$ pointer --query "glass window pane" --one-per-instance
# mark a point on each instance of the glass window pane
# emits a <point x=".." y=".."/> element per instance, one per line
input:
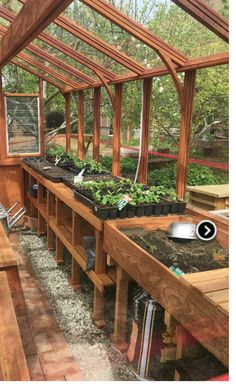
<point x="22" y="120"/>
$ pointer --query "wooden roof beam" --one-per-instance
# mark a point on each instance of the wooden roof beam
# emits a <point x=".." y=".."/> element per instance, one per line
<point x="32" y="61"/>
<point x="135" y="29"/>
<point x="206" y="16"/>
<point x="199" y="63"/>
<point x="35" y="63"/>
<point x="55" y="61"/>
<point x="30" y="21"/>
<point x="37" y="74"/>
<point x="63" y="48"/>
<point x="97" y="43"/>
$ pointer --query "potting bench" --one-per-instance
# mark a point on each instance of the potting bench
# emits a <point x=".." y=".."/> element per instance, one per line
<point x="60" y="214"/>
<point x="198" y="310"/>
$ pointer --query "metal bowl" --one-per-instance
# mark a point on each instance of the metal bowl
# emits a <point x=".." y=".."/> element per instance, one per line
<point x="182" y="230"/>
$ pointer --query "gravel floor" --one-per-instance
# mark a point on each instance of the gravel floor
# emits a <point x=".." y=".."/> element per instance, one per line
<point x="96" y="356"/>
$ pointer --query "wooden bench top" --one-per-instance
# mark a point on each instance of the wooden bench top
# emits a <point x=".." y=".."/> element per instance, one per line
<point x="221" y="190"/>
<point x="13" y="366"/>
<point x="213" y="285"/>
<point x="7" y="255"/>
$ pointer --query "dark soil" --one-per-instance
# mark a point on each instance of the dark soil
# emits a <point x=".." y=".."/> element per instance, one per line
<point x="192" y="256"/>
<point x="47" y="169"/>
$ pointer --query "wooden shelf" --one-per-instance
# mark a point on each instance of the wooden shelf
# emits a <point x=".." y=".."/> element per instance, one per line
<point x="79" y="254"/>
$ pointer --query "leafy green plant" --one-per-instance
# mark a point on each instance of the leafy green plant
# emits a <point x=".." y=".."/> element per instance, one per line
<point x="106" y="162"/>
<point x="128" y="165"/>
<point x="197" y="175"/>
<point x="55" y="151"/>
<point x="91" y="166"/>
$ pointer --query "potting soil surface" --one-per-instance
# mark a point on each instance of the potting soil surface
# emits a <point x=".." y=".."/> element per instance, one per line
<point x="189" y="257"/>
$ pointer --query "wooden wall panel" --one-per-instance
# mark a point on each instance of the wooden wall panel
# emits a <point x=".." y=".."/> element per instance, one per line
<point x="11" y="185"/>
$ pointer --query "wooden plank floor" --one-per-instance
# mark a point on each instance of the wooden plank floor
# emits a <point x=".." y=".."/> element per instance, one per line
<point x="48" y="355"/>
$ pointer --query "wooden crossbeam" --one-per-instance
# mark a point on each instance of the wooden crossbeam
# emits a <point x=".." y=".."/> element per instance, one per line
<point x="135" y="29"/>
<point x="199" y="63"/>
<point x="63" y="48"/>
<point x="31" y="20"/>
<point x="207" y="16"/>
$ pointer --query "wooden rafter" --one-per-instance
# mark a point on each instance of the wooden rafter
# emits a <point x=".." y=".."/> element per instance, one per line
<point x="35" y="63"/>
<point x="207" y="16"/>
<point x="30" y="21"/>
<point x="60" y="64"/>
<point x="37" y="74"/>
<point x="135" y="29"/>
<point x="55" y="61"/>
<point x="97" y="43"/>
<point x="63" y="48"/>
<point x="199" y="63"/>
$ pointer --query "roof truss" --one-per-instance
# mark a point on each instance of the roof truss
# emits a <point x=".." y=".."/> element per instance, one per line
<point x="37" y="74"/>
<point x="63" y="48"/>
<point x="97" y="43"/>
<point x="207" y="16"/>
<point x="135" y="29"/>
<point x="55" y="61"/>
<point x="31" y="20"/>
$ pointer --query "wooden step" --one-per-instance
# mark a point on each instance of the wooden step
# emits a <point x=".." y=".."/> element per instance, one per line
<point x="13" y="366"/>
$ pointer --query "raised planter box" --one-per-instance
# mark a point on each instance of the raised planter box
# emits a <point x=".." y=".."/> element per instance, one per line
<point x="204" y="319"/>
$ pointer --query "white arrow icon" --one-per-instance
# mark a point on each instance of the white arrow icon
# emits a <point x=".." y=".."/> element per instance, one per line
<point x="207" y="230"/>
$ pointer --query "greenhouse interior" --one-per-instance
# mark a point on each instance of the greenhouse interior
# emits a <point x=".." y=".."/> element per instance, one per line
<point x="114" y="190"/>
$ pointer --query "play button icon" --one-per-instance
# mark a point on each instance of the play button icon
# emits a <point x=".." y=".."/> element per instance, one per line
<point x="206" y="230"/>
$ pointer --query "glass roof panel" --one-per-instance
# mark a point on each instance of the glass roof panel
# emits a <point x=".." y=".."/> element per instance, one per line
<point x="112" y="34"/>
